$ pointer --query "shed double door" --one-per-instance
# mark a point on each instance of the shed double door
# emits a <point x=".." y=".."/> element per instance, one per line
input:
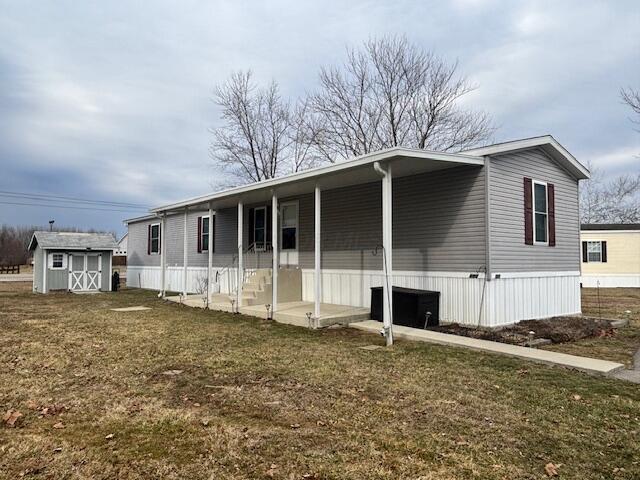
<point x="85" y="273"/>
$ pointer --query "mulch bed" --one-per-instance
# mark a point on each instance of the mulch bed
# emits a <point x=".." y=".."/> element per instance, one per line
<point x="556" y="329"/>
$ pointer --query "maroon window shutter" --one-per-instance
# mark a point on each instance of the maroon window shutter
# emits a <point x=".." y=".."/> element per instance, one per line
<point x="159" y="238"/>
<point x="213" y="233"/>
<point x="199" y="234"/>
<point x="551" y="206"/>
<point x="585" y="256"/>
<point x="604" y="252"/>
<point x="149" y="240"/>
<point x="528" y="212"/>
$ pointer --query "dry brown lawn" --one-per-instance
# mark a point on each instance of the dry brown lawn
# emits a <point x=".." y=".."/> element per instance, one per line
<point x="250" y="399"/>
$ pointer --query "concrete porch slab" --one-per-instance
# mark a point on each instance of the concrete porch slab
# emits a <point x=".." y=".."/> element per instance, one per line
<point x="295" y="313"/>
<point x="292" y="313"/>
<point x="585" y="364"/>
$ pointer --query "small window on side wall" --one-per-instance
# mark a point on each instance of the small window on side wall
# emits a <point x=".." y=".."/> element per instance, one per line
<point x="154" y="239"/>
<point x="57" y="261"/>
<point x="203" y="234"/>
<point x="594" y="252"/>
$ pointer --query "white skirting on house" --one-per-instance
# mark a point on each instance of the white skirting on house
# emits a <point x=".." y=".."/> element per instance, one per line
<point x="629" y="280"/>
<point x="150" y="278"/>
<point x="472" y="301"/>
<point x="513" y="297"/>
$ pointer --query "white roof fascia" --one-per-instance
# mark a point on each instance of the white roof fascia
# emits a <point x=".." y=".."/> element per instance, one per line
<point x="571" y="163"/>
<point x="387" y="154"/>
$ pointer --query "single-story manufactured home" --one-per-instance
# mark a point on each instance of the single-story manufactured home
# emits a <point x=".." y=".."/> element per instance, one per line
<point x="610" y="255"/>
<point x="74" y="262"/>
<point x="494" y="230"/>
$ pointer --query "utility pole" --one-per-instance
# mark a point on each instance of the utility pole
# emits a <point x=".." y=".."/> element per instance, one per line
<point x="51" y="222"/>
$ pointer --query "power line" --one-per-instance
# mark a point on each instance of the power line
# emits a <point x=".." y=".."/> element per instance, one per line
<point x="64" y="199"/>
<point x="2" y="202"/>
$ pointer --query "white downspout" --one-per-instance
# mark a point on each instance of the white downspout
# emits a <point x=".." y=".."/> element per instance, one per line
<point x="317" y="257"/>
<point x="210" y="255"/>
<point x="387" y="257"/>
<point x="274" y="252"/>
<point x="240" y="259"/>
<point x="185" y="253"/>
<point x="163" y="258"/>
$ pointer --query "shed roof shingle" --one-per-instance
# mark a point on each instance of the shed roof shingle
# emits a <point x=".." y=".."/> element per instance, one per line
<point x="73" y="241"/>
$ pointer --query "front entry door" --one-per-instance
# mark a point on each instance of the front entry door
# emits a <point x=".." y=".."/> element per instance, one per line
<point x="84" y="272"/>
<point x="289" y="232"/>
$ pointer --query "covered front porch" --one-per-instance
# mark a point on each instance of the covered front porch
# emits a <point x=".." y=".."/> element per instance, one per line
<point x="273" y="216"/>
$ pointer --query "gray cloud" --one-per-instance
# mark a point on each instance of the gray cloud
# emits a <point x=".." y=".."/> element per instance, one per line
<point x="112" y="100"/>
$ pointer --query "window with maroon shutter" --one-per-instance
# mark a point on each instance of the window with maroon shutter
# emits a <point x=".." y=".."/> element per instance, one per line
<point x="551" y="195"/>
<point x="528" y="212"/>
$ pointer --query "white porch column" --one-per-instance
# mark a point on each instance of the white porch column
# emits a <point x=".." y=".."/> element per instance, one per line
<point x="185" y="254"/>
<point x="210" y="255"/>
<point x="240" y="259"/>
<point x="317" y="271"/>
<point x="163" y="262"/>
<point x="275" y="251"/>
<point x="387" y="237"/>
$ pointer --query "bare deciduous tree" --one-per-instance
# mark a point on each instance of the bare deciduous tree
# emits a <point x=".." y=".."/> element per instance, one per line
<point x="389" y="93"/>
<point x="613" y="201"/>
<point x="632" y="98"/>
<point x="392" y="93"/>
<point x="262" y="135"/>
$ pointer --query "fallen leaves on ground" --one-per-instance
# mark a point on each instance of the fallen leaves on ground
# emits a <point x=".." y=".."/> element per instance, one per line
<point x="11" y="417"/>
<point x="551" y="470"/>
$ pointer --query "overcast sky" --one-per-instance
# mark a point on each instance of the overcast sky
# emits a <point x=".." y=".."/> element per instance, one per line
<point x="112" y="100"/>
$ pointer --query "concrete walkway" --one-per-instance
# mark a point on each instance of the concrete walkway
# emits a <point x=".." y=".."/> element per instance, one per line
<point x="590" y="365"/>
<point x="633" y="374"/>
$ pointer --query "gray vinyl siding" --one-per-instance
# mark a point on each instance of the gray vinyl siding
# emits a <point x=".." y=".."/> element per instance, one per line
<point x="38" y="258"/>
<point x="174" y="225"/>
<point x="508" y="250"/>
<point x="351" y="227"/>
<point x="438" y="225"/>
<point x="439" y="221"/>
<point x="137" y="245"/>
<point x="106" y="264"/>
<point x="57" y="279"/>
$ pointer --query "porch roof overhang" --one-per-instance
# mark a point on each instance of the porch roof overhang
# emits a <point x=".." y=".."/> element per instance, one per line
<point x="405" y="161"/>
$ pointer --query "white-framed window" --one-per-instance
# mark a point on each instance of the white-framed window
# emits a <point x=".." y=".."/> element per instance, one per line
<point x="154" y="239"/>
<point x="260" y="228"/>
<point x="204" y="234"/>
<point x="540" y="213"/>
<point x="594" y="252"/>
<point x="57" y="261"/>
<point x="289" y="226"/>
